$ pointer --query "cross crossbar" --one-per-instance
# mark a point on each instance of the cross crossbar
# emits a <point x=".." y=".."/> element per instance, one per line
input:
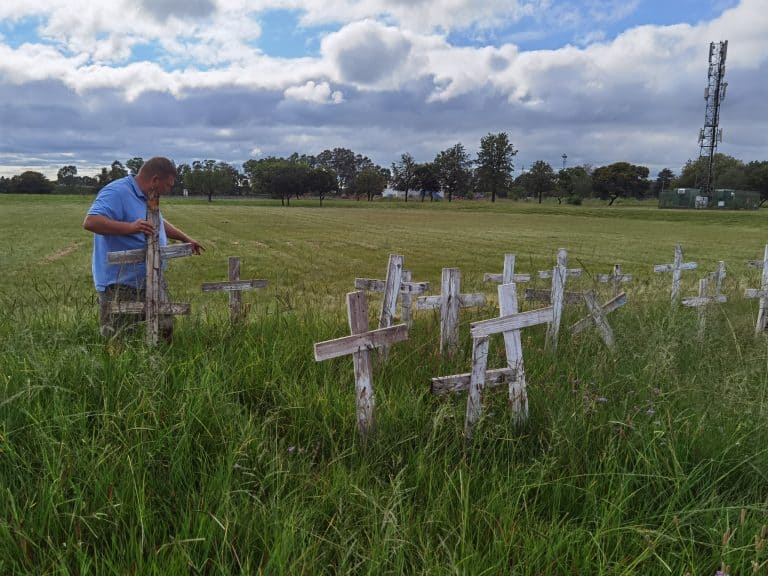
<point x="509" y="273"/>
<point x="139" y="254"/>
<point x="676" y="268"/>
<point x="234" y="286"/>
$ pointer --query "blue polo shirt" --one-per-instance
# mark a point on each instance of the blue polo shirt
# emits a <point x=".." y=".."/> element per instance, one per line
<point x="120" y="200"/>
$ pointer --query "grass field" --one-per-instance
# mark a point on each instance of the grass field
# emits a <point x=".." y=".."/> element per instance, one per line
<point x="232" y="452"/>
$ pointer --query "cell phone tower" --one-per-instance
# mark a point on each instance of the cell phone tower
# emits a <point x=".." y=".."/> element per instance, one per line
<point x="711" y="134"/>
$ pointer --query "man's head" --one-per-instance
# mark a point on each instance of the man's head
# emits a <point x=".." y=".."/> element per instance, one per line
<point x="157" y="175"/>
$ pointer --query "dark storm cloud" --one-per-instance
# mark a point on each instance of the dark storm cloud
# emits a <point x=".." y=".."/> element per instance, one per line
<point x="164" y="9"/>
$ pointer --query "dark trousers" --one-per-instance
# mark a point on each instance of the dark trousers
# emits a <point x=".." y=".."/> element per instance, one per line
<point x="114" y="323"/>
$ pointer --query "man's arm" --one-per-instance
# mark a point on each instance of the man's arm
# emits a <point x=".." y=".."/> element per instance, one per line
<point x="99" y="224"/>
<point x="175" y="234"/>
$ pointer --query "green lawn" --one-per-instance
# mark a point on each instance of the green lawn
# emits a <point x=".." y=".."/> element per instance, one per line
<point x="233" y="452"/>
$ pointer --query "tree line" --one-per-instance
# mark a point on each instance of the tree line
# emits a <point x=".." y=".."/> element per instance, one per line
<point x="452" y="174"/>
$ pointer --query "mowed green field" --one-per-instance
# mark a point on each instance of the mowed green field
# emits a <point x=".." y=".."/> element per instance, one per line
<point x="232" y="451"/>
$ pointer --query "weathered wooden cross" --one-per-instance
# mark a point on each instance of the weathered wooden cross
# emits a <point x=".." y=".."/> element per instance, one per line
<point x="718" y="276"/>
<point x="359" y="345"/>
<point x="615" y="278"/>
<point x="154" y="305"/>
<point x="510" y="325"/>
<point x="235" y="287"/>
<point x="677" y="269"/>
<point x="598" y="316"/>
<point x="508" y="275"/>
<point x="513" y="374"/>
<point x="450" y="302"/>
<point x="702" y="301"/>
<point x="557" y="294"/>
<point x="393" y="286"/>
<point x="762" y="292"/>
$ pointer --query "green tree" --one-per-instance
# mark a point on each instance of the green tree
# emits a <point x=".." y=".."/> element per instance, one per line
<point x="575" y="182"/>
<point x="209" y="177"/>
<point x="454" y="171"/>
<point x="370" y="182"/>
<point x="427" y="180"/>
<point x="66" y="175"/>
<point x="693" y="171"/>
<point x="540" y="179"/>
<point x="664" y="180"/>
<point x="404" y="174"/>
<point x="321" y="182"/>
<point x="620" y="180"/>
<point x="756" y="178"/>
<point x="494" y="164"/>
<point x="135" y="164"/>
<point x="30" y="182"/>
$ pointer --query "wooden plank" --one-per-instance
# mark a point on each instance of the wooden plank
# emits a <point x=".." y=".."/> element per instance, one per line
<point x="499" y="278"/>
<point x="391" y="290"/>
<point x="139" y="254"/>
<point x="672" y="268"/>
<point x="357" y="311"/>
<point x="513" y="348"/>
<point x="449" y="310"/>
<point x="165" y="308"/>
<point x="360" y="341"/>
<point x="154" y="271"/>
<point x="559" y="274"/>
<point x="755" y="293"/>
<point x="599" y="319"/>
<point x="513" y="322"/>
<point x="443" y="385"/>
<point x="373" y="285"/>
<point x="406" y="300"/>
<point x="571" y="273"/>
<point x="755" y="264"/>
<point x="608" y="307"/>
<point x="762" y="313"/>
<point x="476" y="385"/>
<point x="545" y="295"/>
<point x="465" y="301"/>
<point x="231" y="286"/>
<point x="697" y="301"/>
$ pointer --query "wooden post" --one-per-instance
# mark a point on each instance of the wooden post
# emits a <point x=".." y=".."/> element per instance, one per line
<point x="615" y="278"/>
<point x="406" y="300"/>
<point x="391" y="291"/>
<point x="702" y="301"/>
<point x="676" y="268"/>
<point x="234" y="286"/>
<point x="404" y="287"/>
<point x="359" y="345"/>
<point x="558" y="296"/>
<point x="513" y="346"/>
<point x="718" y="276"/>
<point x="508" y="274"/>
<point x="450" y="302"/>
<point x="762" y="293"/>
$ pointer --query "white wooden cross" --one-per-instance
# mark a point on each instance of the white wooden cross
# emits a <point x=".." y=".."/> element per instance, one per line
<point x="234" y="286"/>
<point x="702" y="301"/>
<point x="762" y="292"/>
<point x="676" y="268"/>
<point x="598" y="316"/>
<point x="513" y="374"/>
<point x="406" y="290"/>
<point x="718" y="276"/>
<point x="510" y="325"/>
<point x="615" y="278"/>
<point x="557" y="295"/>
<point x="359" y="345"/>
<point x="450" y="302"/>
<point x="153" y="306"/>
<point x="508" y="275"/>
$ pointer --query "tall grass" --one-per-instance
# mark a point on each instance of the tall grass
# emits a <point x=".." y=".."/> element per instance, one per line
<point x="232" y="452"/>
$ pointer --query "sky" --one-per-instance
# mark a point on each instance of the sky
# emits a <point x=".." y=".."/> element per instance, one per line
<point x="600" y="81"/>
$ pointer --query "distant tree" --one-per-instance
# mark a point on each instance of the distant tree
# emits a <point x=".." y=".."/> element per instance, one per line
<point x="427" y="180"/>
<point x="664" y="180"/>
<point x="30" y="182"/>
<point x="209" y="177"/>
<point x="135" y="164"/>
<point x="5" y="185"/>
<point x="369" y="182"/>
<point x="321" y="182"/>
<point x="692" y="173"/>
<point x="66" y="175"/>
<point x="574" y="182"/>
<point x="404" y="174"/>
<point x="454" y="171"/>
<point x="756" y="178"/>
<point x="620" y="180"/>
<point x="494" y="164"/>
<point x="343" y="162"/>
<point x="540" y="179"/>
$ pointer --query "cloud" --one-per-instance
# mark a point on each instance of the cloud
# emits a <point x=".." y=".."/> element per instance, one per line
<point x="165" y="9"/>
<point x="319" y="93"/>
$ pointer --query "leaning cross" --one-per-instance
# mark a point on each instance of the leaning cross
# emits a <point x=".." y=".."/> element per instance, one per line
<point x="152" y="255"/>
<point x="598" y="316"/>
<point x="406" y="290"/>
<point x="762" y="293"/>
<point x="235" y="287"/>
<point x="702" y="301"/>
<point x="616" y="278"/>
<point x="510" y="325"/>
<point x="508" y="275"/>
<point x="557" y="295"/>
<point x="676" y="268"/>
<point x="450" y="302"/>
<point x="359" y="345"/>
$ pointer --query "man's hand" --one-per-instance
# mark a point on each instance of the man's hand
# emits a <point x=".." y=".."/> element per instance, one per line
<point x="141" y="225"/>
<point x="197" y="248"/>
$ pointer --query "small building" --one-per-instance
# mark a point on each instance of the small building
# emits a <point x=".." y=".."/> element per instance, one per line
<point x="723" y="199"/>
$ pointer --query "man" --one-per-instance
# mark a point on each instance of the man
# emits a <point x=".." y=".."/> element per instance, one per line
<point x="117" y="218"/>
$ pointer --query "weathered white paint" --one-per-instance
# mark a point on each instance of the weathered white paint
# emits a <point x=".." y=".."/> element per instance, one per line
<point x="513" y="347"/>
<point x="762" y="293"/>
<point x="476" y="384"/>
<point x="615" y="278"/>
<point x="508" y="275"/>
<point x="676" y="268"/>
<point x="608" y="307"/>
<point x="234" y="286"/>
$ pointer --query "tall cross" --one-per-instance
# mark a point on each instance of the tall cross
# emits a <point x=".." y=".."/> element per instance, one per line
<point x="703" y="300"/>
<point x="450" y="302"/>
<point x="676" y="268"/>
<point x="508" y="275"/>
<point x="615" y="278"/>
<point x="359" y="345"/>
<point x="235" y="287"/>
<point x="557" y="295"/>
<point x="718" y="277"/>
<point x="153" y="306"/>
<point x="762" y="293"/>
